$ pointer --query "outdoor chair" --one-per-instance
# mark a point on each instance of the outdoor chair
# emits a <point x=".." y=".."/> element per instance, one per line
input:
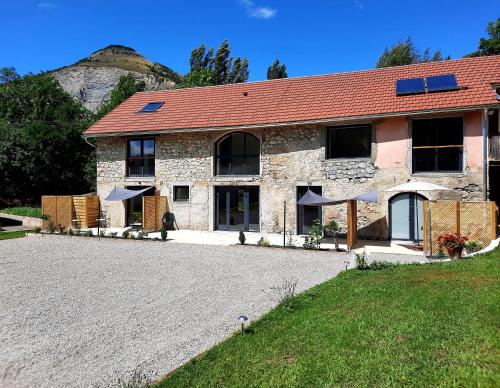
<point x="168" y="221"/>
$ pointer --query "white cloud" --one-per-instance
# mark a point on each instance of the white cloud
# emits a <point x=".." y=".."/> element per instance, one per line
<point x="46" y="5"/>
<point x="258" y="12"/>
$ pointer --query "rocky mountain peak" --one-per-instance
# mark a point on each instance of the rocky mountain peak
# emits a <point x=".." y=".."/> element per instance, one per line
<point x="92" y="79"/>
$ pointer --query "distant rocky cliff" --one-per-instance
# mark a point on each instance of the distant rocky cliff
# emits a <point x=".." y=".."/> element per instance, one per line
<point x="92" y="79"/>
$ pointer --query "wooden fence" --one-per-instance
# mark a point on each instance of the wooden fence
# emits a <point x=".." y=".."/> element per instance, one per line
<point x="475" y="219"/>
<point x="86" y="208"/>
<point x="63" y="209"/>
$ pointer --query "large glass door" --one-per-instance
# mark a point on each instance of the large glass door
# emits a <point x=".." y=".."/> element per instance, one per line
<point x="306" y="215"/>
<point x="237" y="208"/>
<point x="134" y="206"/>
<point x="406" y="216"/>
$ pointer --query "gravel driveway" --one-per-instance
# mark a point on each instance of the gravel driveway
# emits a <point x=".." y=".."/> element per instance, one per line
<point x="86" y="312"/>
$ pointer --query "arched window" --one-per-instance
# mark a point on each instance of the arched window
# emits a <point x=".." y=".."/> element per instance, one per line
<point x="237" y="154"/>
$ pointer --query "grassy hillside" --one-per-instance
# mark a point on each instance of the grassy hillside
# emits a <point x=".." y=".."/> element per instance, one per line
<point x="128" y="59"/>
<point x="412" y="325"/>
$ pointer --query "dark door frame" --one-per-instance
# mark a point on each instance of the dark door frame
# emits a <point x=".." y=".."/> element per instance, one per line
<point x="246" y="205"/>
<point x="300" y="208"/>
<point x="127" y="205"/>
<point x="411" y="222"/>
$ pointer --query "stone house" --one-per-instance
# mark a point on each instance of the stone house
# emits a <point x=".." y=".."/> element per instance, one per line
<point x="228" y="157"/>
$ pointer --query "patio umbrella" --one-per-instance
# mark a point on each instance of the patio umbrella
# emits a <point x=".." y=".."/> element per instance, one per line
<point x="416" y="187"/>
<point x="120" y="194"/>
<point x="371" y="196"/>
<point x="313" y="199"/>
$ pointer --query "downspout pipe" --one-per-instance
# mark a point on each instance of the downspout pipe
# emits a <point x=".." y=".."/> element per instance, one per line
<point x="485" y="154"/>
<point x="89" y="143"/>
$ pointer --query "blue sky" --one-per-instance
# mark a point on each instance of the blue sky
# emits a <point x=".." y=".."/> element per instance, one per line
<point x="310" y="37"/>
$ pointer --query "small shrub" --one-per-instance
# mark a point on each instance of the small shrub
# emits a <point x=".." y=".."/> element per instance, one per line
<point x="378" y="265"/>
<point x="287" y="293"/>
<point x="113" y="234"/>
<point x="141" y="234"/>
<point x="102" y="233"/>
<point x="308" y="243"/>
<point x="60" y="228"/>
<point x="263" y="242"/>
<point x="88" y="233"/>
<point x="69" y="231"/>
<point x="139" y="378"/>
<point x="51" y="228"/>
<point x="242" y="238"/>
<point x="163" y="233"/>
<point x="361" y="262"/>
<point x="473" y="246"/>
<point x="37" y="229"/>
<point x="290" y="241"/>
<point x="333" y="229"/>
<point x="125" y="234"/>
<point x="316" y="233"/>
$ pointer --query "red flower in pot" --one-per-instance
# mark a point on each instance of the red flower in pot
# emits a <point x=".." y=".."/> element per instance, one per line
<point x="453" y="242"/>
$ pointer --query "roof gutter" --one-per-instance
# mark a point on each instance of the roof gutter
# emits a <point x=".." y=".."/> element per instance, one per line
<point x="288" y="123"/>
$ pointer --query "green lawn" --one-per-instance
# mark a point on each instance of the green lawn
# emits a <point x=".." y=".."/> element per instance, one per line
<point x="416" y="325"/>
<point x="23" y="211"/>
<point x="16" y="234"/>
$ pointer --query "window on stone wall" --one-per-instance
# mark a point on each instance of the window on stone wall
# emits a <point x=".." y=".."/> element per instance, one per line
<point x="181" y="193"/>
<point x="140" y="157"/>
<point x="237" y="154"/>
<point x="437" y="145"/>
<point x="349" y="141"/>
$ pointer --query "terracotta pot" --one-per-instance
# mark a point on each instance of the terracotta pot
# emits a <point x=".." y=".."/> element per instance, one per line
<point x="454" y="252"/>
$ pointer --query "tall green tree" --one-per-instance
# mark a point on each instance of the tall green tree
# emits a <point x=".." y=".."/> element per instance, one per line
<point x="41" y="148"/>
<point x="207" y="68"/>
<point x="276" y="70"/>
<point x="127" y="85"/>
<point x="490" y="45"/>
<point x="8" y="74"/>
<point x="405" y="53"/>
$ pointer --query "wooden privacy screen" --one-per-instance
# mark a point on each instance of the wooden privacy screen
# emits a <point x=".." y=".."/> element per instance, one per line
<point x="58" y="208"/>
<point x="352" y="223"/>
<point x="86" y="210"/>
<point x="475" y="219"/>
<point x="62" y="209"/>
<point x="153" y="208"/>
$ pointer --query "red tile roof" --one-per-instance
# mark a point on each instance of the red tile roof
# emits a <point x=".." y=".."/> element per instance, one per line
<point x="302" y="99"/>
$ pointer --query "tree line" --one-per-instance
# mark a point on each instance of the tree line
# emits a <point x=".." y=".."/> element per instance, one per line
<point x="41" y="147"/>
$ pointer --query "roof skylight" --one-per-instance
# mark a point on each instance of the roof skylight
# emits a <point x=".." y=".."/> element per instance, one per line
<point x="151" y="107"/>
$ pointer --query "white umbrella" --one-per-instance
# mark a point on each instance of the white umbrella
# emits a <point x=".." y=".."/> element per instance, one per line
<point x="416" y="187"/>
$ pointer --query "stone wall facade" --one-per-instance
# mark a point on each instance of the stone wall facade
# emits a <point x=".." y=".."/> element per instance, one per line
<point x="291" y="156"/>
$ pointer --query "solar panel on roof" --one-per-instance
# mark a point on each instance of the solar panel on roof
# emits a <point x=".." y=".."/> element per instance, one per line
<point x="410" y="86"/>
<point x="442" y="82"/>
<point x="152" y="107"/>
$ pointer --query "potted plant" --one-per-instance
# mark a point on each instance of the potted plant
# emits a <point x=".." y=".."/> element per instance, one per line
<point x="454" y="243"/>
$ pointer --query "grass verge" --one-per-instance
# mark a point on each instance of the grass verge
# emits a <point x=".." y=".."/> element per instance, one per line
<point x="416" y="325"/>
<point x="16" y="234"/>
<point x="23" y="211"/>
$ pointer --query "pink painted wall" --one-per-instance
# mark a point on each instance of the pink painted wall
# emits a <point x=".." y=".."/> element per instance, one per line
<point x="473" y="143"/>
<point x="391" y="136"/>
<point x="392" y="141"/>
